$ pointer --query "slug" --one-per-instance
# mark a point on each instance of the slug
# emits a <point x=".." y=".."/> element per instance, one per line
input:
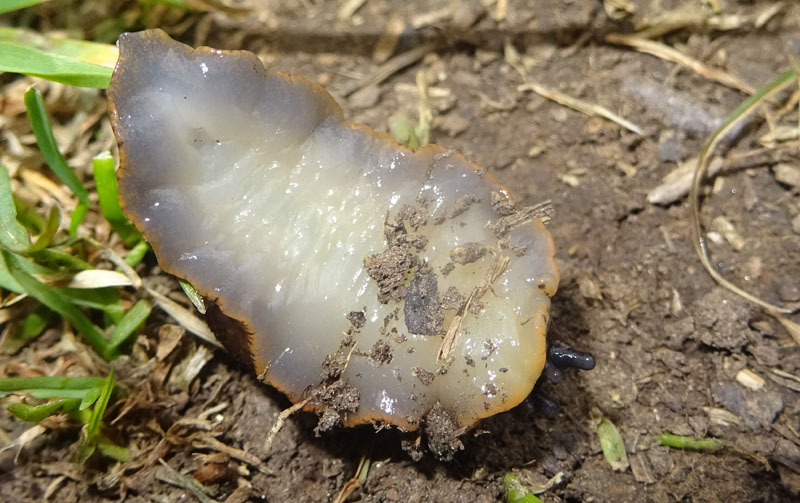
<point x="378" y="282"/>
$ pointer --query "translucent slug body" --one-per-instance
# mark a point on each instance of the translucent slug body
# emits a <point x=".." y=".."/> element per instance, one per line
<point x="375" y="280"/>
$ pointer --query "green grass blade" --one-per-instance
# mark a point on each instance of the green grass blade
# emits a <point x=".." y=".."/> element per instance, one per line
<point x="50" y="383"/>
<point x="12" y="5"/>
<point x="47" y="143"/>
<point x="60" y="259"/>
<point x="112" y="450"/>
<point x="102" y="299"/>
<point x="137" y="253"/>
<point x="90" y="52"/>
<point x="13" y="235"/>
<point x="127" y="327"/>
<point x="78" y="394"/>
<point x="77" y="217"/>
<point x="84" y="448"/>
<point x="90" y="397"/>
<point x="28" y="217"/>
<point x="72" y="71"/>
<point x="105" y="179"/>
<point x="36" y="413"/>
<point x="93" y="426"/>
<point x="193" y="295"/>
<point x="516" y="492"/>
<point x="49" y="230"/>
<point x="56" y="301"/>
<point x="32" y="327"/>
<point x="680" y="442"/>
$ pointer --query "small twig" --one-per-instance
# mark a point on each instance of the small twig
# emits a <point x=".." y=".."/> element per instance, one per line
<point x="585" y="107"/>
<point x="349" y="8"/>
<point x="790" y="326"/>
<point x="667" y="53"/>
<point x="282" y="417"/>
<point x="497" y="268"/>
<point x="391" y="66"/>
<point x="186" y="319"/>
<point x="175" y="478"/>
<point x="357" y="480"/>
<point x="118" y="261"/>
<point x="209" y="442"/>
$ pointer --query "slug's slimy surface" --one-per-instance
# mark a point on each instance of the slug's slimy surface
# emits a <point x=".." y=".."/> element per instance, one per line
<point x="378" y="280"/>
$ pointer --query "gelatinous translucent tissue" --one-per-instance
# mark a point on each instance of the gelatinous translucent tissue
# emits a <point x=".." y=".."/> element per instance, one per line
<point x="375" y="279"/>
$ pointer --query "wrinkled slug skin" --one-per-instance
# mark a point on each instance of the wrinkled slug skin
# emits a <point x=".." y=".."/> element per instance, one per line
<point x="251" y="185"/>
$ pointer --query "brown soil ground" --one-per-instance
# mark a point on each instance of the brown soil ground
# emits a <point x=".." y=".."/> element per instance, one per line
<point x="668" y="341"/>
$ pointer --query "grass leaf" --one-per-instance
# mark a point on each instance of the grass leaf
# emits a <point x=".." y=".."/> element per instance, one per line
<point x="77" y="217"/>
<point x="66" y="70"/>
<point x="127" y="327"/>
<point x="89" y="398"/>
<point x="13" y="235"/>
<point x="34" y="324"/>
<point x="47" y="143"/>
<point x="12" y="5"/>
<point x="36" y="413"/>
<point x="112" y="450"/>
<point x="56" y="301"/>
<point x="90" y="52"/>
<point x="28" y="217"/>
<point x="193" y="295"/>
<point x="59" y="259"/>
<point x="90" y="435"/>
<point x="106" y="180"/>
<point x="49" y="230"/>
<point x="102" y="299"/>
<point x="93" y="426"/>
<point x="50" y="383"/>
<point x="680" y="442"/>
<point x="612" y="445"/>
<point x="137" y="253"/>
<point x="516" y="492"/>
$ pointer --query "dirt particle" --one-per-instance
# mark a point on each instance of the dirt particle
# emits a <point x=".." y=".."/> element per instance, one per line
<point x="381" y="352"/>
<point x="327" y="421"/>
<point x="416" y="241"/>
<point x="416" y="215"/>
<point x="452" y="299"/>
<point x="423" y="375"/>
<point x="456" y="208"/>
<point x="357" y="319"/>
<point x="340" y="397"/>
<point x="469" y="360"/>
<point x="399" y="338"/>
<point x="448" y="268"/>
<point x="413" y="448"/>
<point x="214" y="472"/>
<point x="476" y="306"/>
<point x="467" y="253"/>
<point x="490" y="390"/>
<point x="441" y="432"/>
<point x="502" y="204"/>
<point x="487" y="349"/>
<point x="422" y="310"/>
<point x="335" y="363"/>
<point x="389" y="269"/>
<point x="337" y="398"/>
